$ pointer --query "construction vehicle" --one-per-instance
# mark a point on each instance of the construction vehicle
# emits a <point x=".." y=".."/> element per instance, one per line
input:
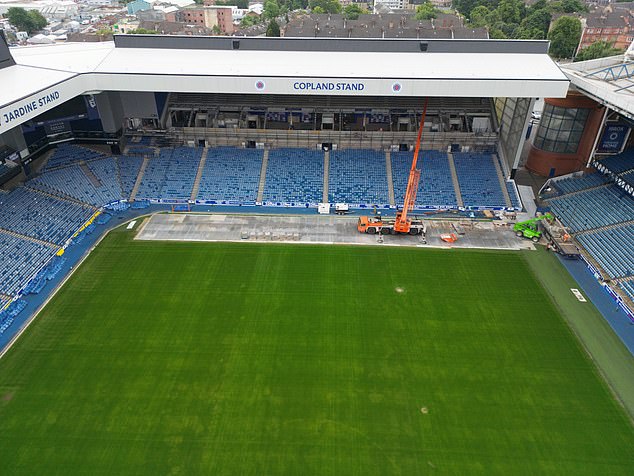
<point x="402" y="224"/>
<point x="530" y="228"/>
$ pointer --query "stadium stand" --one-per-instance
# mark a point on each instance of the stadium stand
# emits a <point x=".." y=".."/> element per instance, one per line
<point x="593" y="208"/>
<point x="231" y="175"/>
<point x="42" y="217"/>
<point x="294" y="176"/>
<point x="358" y="177"/>
<point x="576" y="184"/>
<point x="613" y="249"/>
<point x="629" y="177"/>
<point x="619" y="163"/>
<point x="181" y="173"/>
<point x="513" y="193"/>
<point x="128" y="171"/>
<point x="628" y="288"/>
<point x="68" y="154"/>
<point x="155" y="174"/>
<point x="73" y="182"/>
<point x="479" y="183"/>
<point x="435" y="188"/>
<point x="20" y="260"/>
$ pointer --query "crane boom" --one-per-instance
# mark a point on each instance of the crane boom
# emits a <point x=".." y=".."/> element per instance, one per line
<point x="402" y="223"/>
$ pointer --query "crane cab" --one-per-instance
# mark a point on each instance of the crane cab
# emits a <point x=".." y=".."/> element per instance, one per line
<point x="369" y="225"/>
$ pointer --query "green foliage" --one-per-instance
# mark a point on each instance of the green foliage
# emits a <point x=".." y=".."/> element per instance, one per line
<point x="479" y="16"/>
<point x="426" y="11"/>
<point x="352" y="11"/>
<point x="568" y="6"/>
<point x="537" y="22"/>
<point x="104" y="31"/>
<point x="244" y="4"/>
<point x="26" y="21"/>
<point x="599" y="49"/>
<point x="511" y="11"/>
<point x="273" y="29"/>
<point x="271" y="9"/>
<point x="326" y="6"/>
<point x="564" y="37"/>
<point x="142" y="31"/>
<point x="248" y="21"/>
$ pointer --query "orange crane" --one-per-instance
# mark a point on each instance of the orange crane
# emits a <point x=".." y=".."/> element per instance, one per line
<point x="402" y="224"/>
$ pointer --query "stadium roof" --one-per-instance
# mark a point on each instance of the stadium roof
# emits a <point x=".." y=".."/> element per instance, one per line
<point x="609" y="81"/>
<point x="352" y="67"/>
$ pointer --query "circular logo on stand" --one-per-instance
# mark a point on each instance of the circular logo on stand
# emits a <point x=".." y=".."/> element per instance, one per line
<point x="259" y="85"/>
<point x="396" y="88"/>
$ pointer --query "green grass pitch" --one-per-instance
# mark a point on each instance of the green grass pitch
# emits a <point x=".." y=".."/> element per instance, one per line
<point x="200" y="358"/>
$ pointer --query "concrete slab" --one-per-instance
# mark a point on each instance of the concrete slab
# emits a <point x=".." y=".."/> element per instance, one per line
<point x="319" y="230"/>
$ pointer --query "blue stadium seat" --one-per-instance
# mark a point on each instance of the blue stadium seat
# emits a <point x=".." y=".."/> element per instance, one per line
<point x="612" y="248"/>
<point x="20" y="260"/>
<point x="295" y="177"/>
<point x="231" y="176"/>
<point x="478" y="179"/>
<point x="435" y="189"/>
<point x="69" y="154"/>
<point x="358" y="177"/>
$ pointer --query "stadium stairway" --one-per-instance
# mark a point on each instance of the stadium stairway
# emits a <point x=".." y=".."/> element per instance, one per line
<point x="262" y="182"/>
<point x="324" y="197"/>
<point x="390" y="182"/>
<point x="505" y="192"/>
<point x="605" y="227"/>
<point x="89" y="174"/>
<point x="454" y="179"/>
<point x="139" y="178"/>
<point x="29" y="238"/>
<point x="199" y="174"/>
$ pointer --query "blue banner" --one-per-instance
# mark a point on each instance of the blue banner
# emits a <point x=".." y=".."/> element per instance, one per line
<point x="613" y="138"/>
<point x="91" y="107"/>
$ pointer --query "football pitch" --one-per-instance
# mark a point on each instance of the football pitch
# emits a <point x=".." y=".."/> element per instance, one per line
<point x="262" y="359"/>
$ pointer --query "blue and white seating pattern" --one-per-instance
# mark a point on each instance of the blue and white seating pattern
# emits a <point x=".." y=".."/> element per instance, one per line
<point x="513" y="192"/>
<point x="628" y="288"/>
<point x="594" y="208"/>
<point x="294" y="176"/>
<point x="358" y="177"/>
<point x="20" y="259"/>
<point x="39" y="216"/>
<point x="629" y="178"/>
<point x="106" y="172"/>
<point x="478" y="180"/>
<point x="612" y="248"/>
<point x="435" y="188"/>
<point x="72" y="182"/>
<point x="68" y="154"/>
<point x="129" y="168"/>
<point x="576" y="184"/>
<point x="231" y="175"/>
<point x="621" y="162"/>
<point x="181" y="173"/>
<point x="154" y="177"/>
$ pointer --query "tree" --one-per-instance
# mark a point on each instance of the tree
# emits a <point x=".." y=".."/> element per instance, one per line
<point x="426" y="11"/>
<point x="243" y="4"/>
<point x="352" y="11"/>
<point x="511" y="11"/>
<point x="599" y="49"/>
<point x="26" y="21"/>
<point x="248" y="21"/>
<point x="143" y="31"/>
<point x="536" y="20"/>
<point x="273" y="29"/>
<point x="271" y="9"/>
<point x="564" y="37"/>
<point x="328" y="6"/>
<point x="479" y="16"/>
<point x="568" y="6"/>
